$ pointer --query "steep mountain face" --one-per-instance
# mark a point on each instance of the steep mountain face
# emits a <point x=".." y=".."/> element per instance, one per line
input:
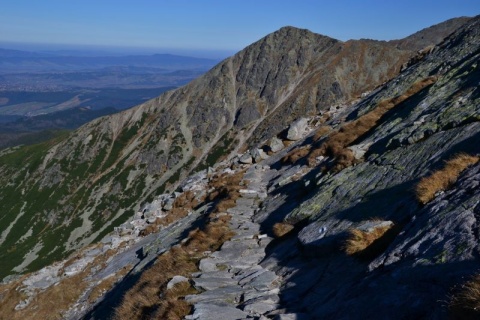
<point x="434" y="34"/>
<point x="62" y="195"/>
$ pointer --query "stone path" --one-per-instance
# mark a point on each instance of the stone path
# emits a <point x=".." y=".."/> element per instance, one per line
<point x="234" y="284"/>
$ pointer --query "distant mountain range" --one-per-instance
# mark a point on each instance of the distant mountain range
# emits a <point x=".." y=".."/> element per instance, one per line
<point x="15" y="61"/>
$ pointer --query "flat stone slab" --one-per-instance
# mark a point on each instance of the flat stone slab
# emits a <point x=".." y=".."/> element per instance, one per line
<point x="212" y="283"/>
<point x="264" y="281"/>
<point x="256" y="295"/>
<point x="203" y="311"/>
<point x="246" y="262"/>
<point x="245" y="202"/>
<point x="292" y="316"/>
<point x="244" y="236"/>
<point x="216" y="274"/>
<point x="249" y="277"/>
<point x="252" y="243"/>
<point x="259" y="308"/>
<point x="208" y="265"/>
<point x="230" y="294"/>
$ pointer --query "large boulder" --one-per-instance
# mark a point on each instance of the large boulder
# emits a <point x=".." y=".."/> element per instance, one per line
<point x="297" y="129"/>
<point x="276" y="144"/>
<point x="258" y="155"/>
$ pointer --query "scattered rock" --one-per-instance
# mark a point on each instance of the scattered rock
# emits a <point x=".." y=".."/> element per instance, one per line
<point x="175" y="280"/>
<point x="258" y="155"/>
<point x="246" y="158"/>
<point x="359" y="150"/>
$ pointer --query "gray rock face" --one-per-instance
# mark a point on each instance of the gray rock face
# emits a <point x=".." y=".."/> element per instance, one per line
<point x="276" y="144"/>
<point x="297" y="129"/>
<point x="246" y="158"/>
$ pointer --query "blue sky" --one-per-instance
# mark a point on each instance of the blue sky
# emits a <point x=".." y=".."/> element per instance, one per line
<point x="215" y="24"/>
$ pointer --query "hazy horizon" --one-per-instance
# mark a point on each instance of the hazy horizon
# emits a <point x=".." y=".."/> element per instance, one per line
<point x="211" y="28"/>
<point x="99" y="50"/>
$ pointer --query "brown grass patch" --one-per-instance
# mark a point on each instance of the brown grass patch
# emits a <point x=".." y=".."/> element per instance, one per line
<point x="293" y="156"/>
<point x="359" y="240"/>
<point x="280" y="229"/>
<point x="321" y="132"/>
<point x="444" y="178"/>
<point x="465" y="304"/>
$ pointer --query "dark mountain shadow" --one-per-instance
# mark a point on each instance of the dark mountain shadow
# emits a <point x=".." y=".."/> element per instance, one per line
<point x="336" y="286"/>
<point x="113" y="298"/>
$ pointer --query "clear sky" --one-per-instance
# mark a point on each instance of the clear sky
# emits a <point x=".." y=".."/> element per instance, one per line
<point x="215" y="24"/>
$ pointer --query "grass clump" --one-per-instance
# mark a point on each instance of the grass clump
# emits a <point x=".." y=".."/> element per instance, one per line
<point x="296" y="154"/>
<point x="442" y="179"/>
<point x="465" y="304"/>
<point x="359" y="240"/>
<point x="280" y="229"/>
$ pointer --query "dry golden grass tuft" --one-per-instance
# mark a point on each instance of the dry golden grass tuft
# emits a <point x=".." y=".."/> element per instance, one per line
<point x="293" y="156"/>
<point x="280" y="229"/>
<point x="359" y="240"/>
<point x="465" y="304"/>
<point x="321" y="132"/>
<point x="442" y="179"/>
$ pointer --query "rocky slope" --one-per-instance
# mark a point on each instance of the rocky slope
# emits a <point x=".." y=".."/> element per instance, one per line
<point x="349" y="165"/>
<point x="65" y="194"/>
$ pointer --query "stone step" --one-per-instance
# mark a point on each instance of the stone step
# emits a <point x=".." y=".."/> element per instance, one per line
<point x="211" y="283"/>
<point x="251" y="243"/>
<point x="216" y="274"/>
<point x="246" y="262"/>
<point x="229" y="294"/>
<point x="216" y="312"/>
<point x="264" y="281"/>
<point x="259" y="308"/>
